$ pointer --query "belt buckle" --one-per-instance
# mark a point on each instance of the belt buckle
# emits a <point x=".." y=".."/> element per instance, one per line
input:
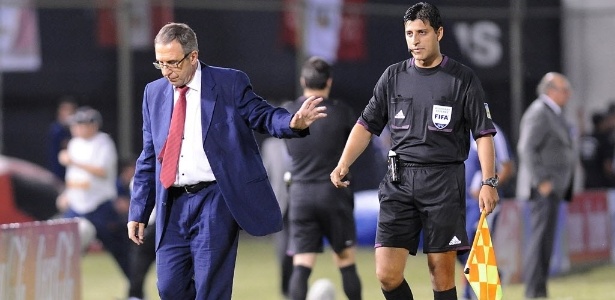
<point x="186" y="189"/>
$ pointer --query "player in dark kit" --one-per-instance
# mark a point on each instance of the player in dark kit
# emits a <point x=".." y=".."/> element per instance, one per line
<point x="316" y="208"/>
<point x="430" y="103"/>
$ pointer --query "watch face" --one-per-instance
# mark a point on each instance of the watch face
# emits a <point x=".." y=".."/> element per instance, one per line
<point x="491" y="182"/>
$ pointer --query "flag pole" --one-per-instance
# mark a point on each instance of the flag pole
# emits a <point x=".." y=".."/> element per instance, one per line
<point x="476" y="237"/>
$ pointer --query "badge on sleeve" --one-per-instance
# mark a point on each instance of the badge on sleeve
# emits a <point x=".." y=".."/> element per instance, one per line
<point x="441" y="116"/>
<point x="487" y="111"/>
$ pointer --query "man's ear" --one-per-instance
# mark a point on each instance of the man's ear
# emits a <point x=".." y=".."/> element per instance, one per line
<point x="440" y="33"/>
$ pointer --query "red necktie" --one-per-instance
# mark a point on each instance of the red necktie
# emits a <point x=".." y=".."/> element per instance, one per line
<point x="170" y="151"/>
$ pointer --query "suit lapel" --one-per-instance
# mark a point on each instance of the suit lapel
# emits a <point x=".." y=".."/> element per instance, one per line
<point x="164" y="111"/>
<point x="208" y="99"/>
<point x="560" y="125"/>
<point x="565" y="129"/>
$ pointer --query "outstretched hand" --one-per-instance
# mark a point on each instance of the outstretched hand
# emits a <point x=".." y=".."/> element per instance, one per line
<point x="308" y="113"/>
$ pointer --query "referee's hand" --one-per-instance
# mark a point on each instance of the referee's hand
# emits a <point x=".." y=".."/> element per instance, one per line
<point x="338" y="175"/>
<point x="488" y="198"/>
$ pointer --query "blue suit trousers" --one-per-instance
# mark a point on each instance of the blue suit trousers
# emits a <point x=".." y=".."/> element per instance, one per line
<point x="198" y="248"/>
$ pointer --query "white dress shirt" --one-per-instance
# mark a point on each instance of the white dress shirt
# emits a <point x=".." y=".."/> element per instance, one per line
<point x="193" y="166"/>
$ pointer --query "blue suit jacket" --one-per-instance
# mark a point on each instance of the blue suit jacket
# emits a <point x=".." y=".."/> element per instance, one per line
<point x="230" y="113"/>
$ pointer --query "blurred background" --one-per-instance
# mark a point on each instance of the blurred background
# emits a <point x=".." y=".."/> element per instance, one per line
<point x="99" y="53"/>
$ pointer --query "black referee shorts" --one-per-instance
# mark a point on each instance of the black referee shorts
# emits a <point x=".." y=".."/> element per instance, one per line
<point x="428" y="198"/>
<point x="319" y="210"/>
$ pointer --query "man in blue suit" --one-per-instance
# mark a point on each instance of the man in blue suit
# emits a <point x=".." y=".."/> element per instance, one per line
<point x="220" y="184"/>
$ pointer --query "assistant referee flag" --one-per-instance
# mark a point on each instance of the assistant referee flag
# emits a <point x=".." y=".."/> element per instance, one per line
<point x="481" y="269"/>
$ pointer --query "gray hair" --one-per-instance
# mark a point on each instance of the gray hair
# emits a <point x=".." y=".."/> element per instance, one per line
<point x="547" y="82"/>
<point x="179" y="32"/>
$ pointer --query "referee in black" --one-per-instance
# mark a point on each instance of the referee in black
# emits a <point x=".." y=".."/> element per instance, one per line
<point x="316" y="208"/>
<point x="430" y="103"/>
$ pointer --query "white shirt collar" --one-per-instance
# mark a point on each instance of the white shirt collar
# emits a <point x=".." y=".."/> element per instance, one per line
<point x="551" y="104"/>
<point x="195" y="83"/>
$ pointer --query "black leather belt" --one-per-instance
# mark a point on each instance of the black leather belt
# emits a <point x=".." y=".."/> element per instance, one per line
<point x="193" y="188"/>
<point x="404" y="163"/>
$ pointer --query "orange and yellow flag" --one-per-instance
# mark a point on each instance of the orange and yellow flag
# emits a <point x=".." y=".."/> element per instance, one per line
<point x="481" y="269"/>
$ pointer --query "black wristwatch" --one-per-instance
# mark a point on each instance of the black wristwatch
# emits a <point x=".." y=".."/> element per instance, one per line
<point x="492" y="182"/>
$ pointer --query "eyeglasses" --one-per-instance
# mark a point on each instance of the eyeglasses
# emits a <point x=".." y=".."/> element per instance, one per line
<point x="170" y="65"/>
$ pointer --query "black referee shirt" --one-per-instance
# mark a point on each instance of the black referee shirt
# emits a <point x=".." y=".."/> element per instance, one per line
<point x="316" y="155"/>
<point x="430" y="112"/>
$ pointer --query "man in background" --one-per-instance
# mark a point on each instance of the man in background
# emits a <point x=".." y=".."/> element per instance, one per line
<point x="91" y="173"/>
<point x="546" y="167"/>
<point x="317" y="209"/>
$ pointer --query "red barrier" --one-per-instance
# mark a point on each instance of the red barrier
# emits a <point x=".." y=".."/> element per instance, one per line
<point x="588" y="228"/>
<point x="9" y="212"/>
<point x="585" y="227"/>
<point x="508" y="241"/>
<point x="40" y="260"/>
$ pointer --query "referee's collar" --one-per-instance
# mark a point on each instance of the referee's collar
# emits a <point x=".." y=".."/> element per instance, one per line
<point x="441" y="64"/>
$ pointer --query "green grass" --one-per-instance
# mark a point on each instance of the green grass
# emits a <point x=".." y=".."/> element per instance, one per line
<point x="257" y="277"/>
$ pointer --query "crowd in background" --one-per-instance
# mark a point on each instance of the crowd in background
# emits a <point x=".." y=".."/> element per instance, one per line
<point x="597" y="150"/>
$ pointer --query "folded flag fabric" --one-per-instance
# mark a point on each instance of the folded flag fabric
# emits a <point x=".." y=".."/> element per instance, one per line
<point x="481" y="269"/>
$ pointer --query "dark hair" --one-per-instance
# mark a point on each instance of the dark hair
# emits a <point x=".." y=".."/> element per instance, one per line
<point x="179" y="32"/>
<point x="315" y="72"/>
<point x="426" y="12"/>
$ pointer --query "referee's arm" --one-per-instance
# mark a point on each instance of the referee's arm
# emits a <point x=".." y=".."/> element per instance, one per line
<point x="488" y="196"/>
<point x="357" y="141"/>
